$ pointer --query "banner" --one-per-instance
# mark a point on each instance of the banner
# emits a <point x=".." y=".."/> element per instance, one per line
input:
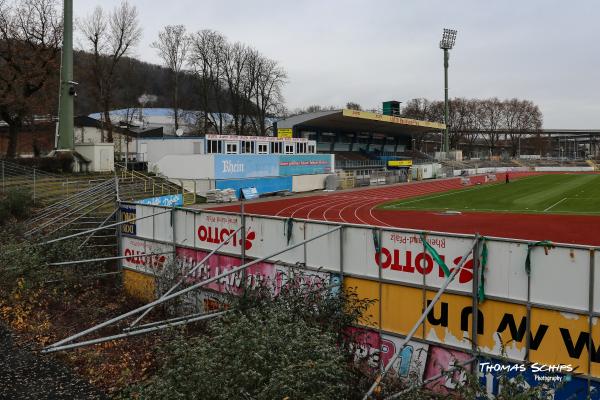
<point x="305" y="164"/>
<point x="231" y="166"/>
<point x="171" y="200"/>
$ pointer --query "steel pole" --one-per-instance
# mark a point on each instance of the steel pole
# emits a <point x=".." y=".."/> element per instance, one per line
<point x="65" y="109"/>
<point x="188" y="289"/>
<point x="446" y="131"/>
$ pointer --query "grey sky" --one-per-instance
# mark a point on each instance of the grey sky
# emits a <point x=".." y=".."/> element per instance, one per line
<point x="368" y="52"/>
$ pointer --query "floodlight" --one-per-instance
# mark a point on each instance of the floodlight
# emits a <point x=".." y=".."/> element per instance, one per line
<point x="448" y="39"/>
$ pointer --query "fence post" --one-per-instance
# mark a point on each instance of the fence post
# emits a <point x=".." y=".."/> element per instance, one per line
<point x="3" y="182"/>
<point x="34" y="186"/>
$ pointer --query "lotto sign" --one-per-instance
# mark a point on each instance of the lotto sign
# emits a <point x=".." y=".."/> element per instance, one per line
<point x="144" y="256"/>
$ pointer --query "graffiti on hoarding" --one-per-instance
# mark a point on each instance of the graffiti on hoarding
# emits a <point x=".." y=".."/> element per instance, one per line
<point x="262" y="273"/>
<point x="372" y="348"/>
<point x="502" y="328"/>
<point x="440" y="360"/>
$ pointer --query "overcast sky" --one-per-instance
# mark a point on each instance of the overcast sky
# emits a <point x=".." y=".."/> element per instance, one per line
<point x="334" y="51"/>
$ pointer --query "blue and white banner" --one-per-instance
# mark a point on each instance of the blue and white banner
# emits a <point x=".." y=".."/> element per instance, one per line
<point x="235" y="166"/>
<point x="305" y="164"/>
<point x="171" y="200"/>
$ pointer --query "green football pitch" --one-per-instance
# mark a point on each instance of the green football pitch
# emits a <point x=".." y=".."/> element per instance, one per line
<point x="556" y="194"/>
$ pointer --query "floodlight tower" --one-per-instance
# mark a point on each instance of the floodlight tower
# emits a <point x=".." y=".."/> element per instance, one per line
<point x="65" y="133"/>
<point x="447" y="43"/>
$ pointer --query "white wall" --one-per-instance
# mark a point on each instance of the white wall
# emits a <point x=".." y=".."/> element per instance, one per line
<point x="187" y="166"/>
<point x="307" y="183"/>
<point x="102" y="155"/>
<point x="88" y="134"/>
<point x="156" y="149"/>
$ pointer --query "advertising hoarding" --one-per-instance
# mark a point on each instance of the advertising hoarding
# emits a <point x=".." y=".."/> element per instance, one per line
<point x="170" y="200"/>
<point x="305" y="164"/>
<point x="233" y="166"/>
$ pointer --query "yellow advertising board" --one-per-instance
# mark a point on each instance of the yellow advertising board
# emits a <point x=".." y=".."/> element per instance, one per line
<point x="138" y="285"/>
<point x="399" y="163"/>
<point x="285" y="132"/>
<point x="555" y="337"/>
<point x="390" y="118"/>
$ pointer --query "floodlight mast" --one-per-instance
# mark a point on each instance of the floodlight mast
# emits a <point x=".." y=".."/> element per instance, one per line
<point x="447" y="43"/>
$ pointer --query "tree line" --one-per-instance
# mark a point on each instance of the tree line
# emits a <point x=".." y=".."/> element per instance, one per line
<point x="233" y="86"/>
<point x="474" y="120"/>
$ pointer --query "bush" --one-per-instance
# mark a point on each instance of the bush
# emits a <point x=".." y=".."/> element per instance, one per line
<point x="268" y="348"/>
<point x="15" y="203"/>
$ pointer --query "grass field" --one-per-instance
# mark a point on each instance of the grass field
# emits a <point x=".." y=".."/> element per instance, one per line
<point x="552" y="194"/>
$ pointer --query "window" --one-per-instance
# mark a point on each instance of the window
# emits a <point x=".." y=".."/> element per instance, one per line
<point x="311" y="149"/>
<point x="247" y="147"/>
<point x="300" y="148"/>
<point x="289" y="148"/>
<point x="213" y="146"/>
<point x="231" y="147"/>
<point x="263" y="148"/>
<point x="276" y="147"/>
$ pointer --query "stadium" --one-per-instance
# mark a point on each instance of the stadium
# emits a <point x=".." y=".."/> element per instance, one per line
<point x="464" y="232"/>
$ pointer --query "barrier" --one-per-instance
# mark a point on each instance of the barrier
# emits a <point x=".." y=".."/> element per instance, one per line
<point x="548" y="316"/>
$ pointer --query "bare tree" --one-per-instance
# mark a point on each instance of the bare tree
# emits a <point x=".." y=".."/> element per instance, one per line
<point x="30" y="38"/>
<point x="270" y="78"/>
<point x="109" y="37"/>
<point x="421" y="109"/>
<point x="206" y="59"/>
<point x="490" y="118"/>
<point x="353" y="106"/>
<point x="173" y="45"/>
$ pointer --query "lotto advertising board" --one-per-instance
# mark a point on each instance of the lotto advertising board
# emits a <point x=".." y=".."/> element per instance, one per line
<point x="410" y="272"/>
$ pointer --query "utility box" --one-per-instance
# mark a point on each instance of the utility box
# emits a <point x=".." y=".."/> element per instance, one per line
<point x="100" y="155"/>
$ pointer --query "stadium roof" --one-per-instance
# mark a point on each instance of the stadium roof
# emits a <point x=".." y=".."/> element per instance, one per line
<point x="357" y="121"/>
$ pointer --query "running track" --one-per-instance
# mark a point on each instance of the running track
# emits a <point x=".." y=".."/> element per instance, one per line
<point x="359" y="207"/>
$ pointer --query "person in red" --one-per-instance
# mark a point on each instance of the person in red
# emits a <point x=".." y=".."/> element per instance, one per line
<point x="507" y="179"/>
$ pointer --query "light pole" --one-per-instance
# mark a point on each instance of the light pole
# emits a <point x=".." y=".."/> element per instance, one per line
<point x="447" y="43"/>
<point x="67" y="86"/>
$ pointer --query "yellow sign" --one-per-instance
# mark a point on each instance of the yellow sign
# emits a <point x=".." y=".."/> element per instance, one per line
<point x="391" y="119"/>
<point x="399" y="163"/>
<point x="555" y="337"/>
<point x="284" y="132"/>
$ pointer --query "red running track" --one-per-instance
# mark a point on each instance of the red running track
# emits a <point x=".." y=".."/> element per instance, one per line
<point x="359" y="207"/>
